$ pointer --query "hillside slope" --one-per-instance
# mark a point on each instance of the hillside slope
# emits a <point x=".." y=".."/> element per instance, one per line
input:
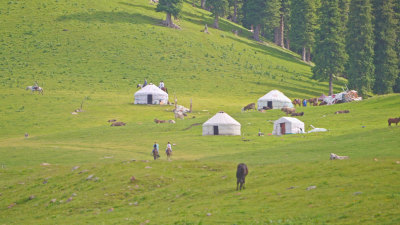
<point x="95" y="52"/>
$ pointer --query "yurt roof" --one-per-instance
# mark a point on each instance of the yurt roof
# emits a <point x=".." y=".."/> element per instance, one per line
<point x="288" y="119"/>
<point x="275" y="95"/>
<point x="150" y="89"/>
<point x="221" y="118"/>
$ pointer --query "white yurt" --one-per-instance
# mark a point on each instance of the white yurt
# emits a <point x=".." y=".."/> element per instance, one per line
<point x="274" y="100"/>
<point x="288" y="125"/>
<point x="221" y="124"/>
<point x="151" y="94"/>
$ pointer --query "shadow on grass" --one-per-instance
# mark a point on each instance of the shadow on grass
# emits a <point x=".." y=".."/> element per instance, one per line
<point x="146" y="7"/>
<point x="110" y="17"/>
<point x="271" y="51"/>
<point x="295" y="88"/>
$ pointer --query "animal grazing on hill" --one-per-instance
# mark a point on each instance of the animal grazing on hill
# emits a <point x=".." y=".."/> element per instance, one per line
<point x="297" y="114"/>
<point x="118" y="124"/>
<point x="159" y="121"/>
<point x="342" y="111"/>
<point x="288" y="110"/>
<point x="249" y="106"/>
<point x="393" y="120"/>
<point x="33" y="88"/>
<point x="296" y="101"/>
<point x="334" y="156"/>
<point x="241" y="174"/>
<point x="313" y="101"/>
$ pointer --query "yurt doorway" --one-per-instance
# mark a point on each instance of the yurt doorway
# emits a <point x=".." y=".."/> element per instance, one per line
<point x="216" y="131"/>
<point x="283" y="129"/>
<point x="149" y="99"/>
<point x="269" y="104"/>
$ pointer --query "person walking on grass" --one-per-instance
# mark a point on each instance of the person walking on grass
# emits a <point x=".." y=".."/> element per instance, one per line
<point x="155" y="152"/>
<point x="168" y="150"/>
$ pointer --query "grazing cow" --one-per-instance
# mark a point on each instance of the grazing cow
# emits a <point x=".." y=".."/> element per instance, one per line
<point x="342" y="111"/>
<point x="288" y="110"/>
<point x="296" y="101"/>
<point x="334" y="156"/>
<point x="159" y="121"/>
<point x="117" y="124"/>
<point x="241" y="174"/>
<point x="297" y="114"/>
<point x="249" y="106"/>
<point x="393" y="120"/>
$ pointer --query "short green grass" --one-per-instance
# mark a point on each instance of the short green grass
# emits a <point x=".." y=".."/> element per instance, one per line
<point x="108" y="48"/>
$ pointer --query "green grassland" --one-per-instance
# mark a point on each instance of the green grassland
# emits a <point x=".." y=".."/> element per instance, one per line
<point x="97" y="51"/>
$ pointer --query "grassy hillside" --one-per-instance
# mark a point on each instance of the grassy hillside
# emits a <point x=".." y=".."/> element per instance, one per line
<point x="98" y="51"/>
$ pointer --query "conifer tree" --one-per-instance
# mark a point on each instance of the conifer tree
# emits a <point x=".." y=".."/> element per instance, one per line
<point x="386" y="59"/>
<point x="217" y="8"/>
<point x="171" y="8"/>
<point x="330" y="55"/>
<point x="302" y="31"/>
<point x="396" y="87"/>
<point x="283" y="20"/>
<point x="360" y="47"/>
<point x="261" y="13"/>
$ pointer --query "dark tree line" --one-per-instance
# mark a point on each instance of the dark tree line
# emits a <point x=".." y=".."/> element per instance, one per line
<point x="356" y="39"/>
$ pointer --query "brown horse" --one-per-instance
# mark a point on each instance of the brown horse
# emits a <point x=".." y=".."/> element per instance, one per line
<point x="164" y="89"/>
<point x="296" y="101"/>
<point x="155" y="154"/>
<point x="241" y="174"/>
<point x="393" y="120"/>
<point x="313" y="101"/>
<point x="168" y="151"/>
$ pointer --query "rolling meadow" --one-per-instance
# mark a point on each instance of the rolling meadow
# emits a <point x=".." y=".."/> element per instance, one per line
<point x="77" y="169"/>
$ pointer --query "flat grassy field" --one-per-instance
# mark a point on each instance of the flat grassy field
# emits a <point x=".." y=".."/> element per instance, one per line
<point x="97" y="51"/>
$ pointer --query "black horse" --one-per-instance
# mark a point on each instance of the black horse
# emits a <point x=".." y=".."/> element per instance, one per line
<point x="241" y="174"/>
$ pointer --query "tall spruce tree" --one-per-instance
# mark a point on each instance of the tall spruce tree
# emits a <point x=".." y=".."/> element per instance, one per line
<point x="218" y="9"/>
<point x="171" y="8"/>
<point x="396" y="87"/>
<point x="261" y="13"/>
<point x="302" y="32"/>
<point x="254" y="12"/>
<point x="284" y="17"/>
<point x="330" y="55"/>
<point x="360" y="47"/>
<point x="386" y="59"/>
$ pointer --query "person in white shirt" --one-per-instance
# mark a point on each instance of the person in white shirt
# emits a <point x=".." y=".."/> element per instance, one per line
<point x="161" y="85"/>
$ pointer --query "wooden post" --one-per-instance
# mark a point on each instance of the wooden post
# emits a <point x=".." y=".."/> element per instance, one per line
<point x="206" y="29"/>
<point x="176" y="102"/>
<point x="190" y="105"/>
